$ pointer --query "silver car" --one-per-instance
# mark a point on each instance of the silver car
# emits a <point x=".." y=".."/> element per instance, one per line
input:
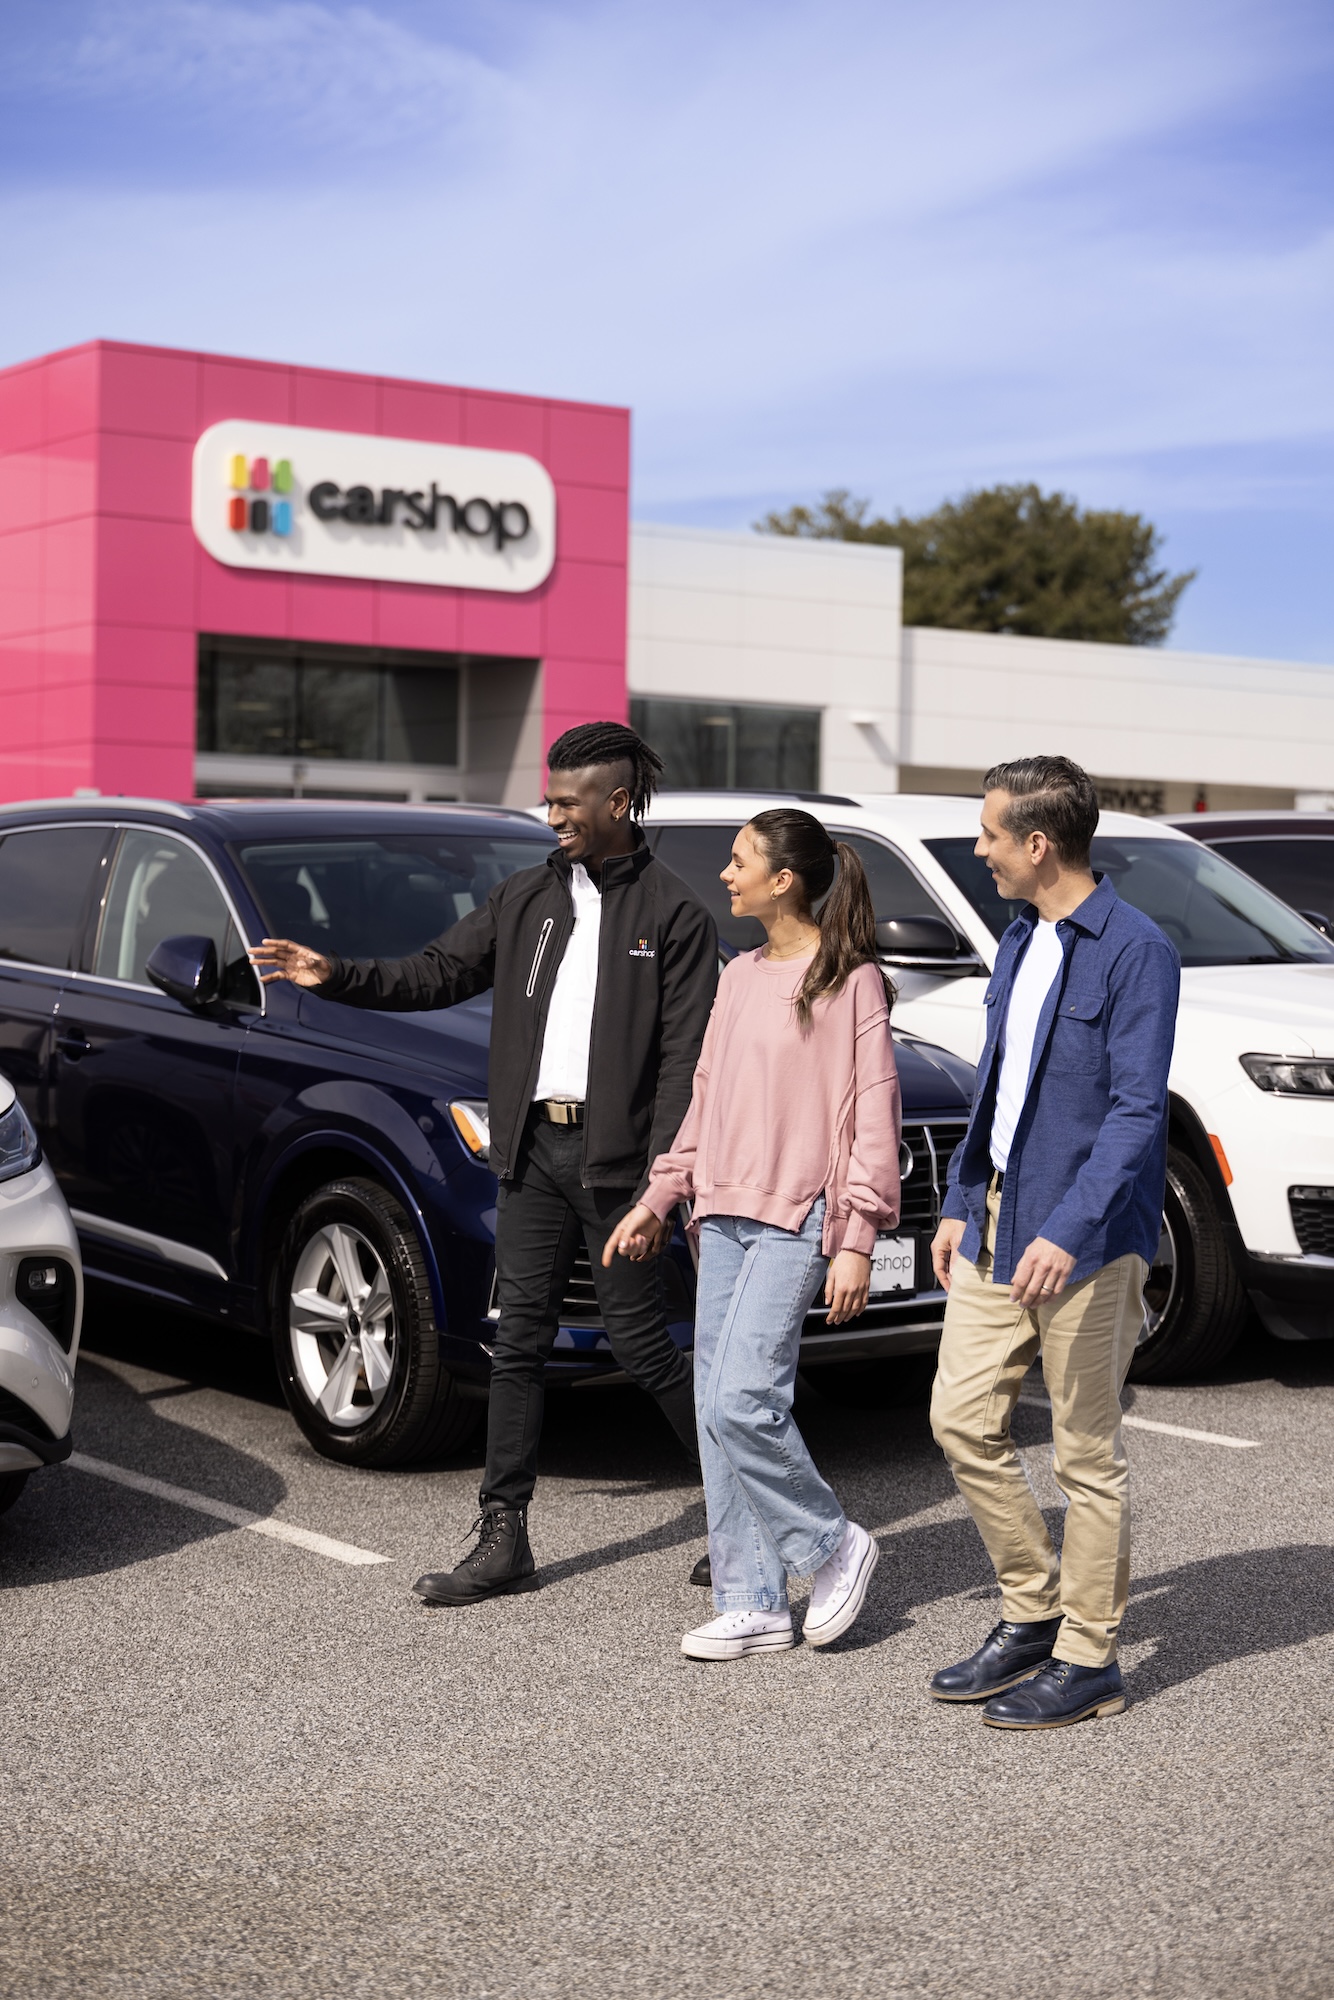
<point x="41" y="1305"/>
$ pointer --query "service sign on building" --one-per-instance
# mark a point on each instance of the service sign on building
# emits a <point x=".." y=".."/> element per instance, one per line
<point x="285" y="499"/>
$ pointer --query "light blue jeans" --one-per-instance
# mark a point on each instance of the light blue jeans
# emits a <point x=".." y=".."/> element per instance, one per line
<point x="771" y="1516"/>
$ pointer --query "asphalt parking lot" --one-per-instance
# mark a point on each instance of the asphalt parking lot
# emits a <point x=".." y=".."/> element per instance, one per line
<point x="239" y="1765"/>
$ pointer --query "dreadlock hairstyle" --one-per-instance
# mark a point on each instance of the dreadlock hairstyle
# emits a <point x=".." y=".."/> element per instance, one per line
<point x="796" y="840"/>
<point x="598" y="743"/>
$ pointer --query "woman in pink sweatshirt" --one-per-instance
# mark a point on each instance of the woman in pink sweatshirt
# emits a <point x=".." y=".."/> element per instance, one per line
<point x="790" y="1152"/>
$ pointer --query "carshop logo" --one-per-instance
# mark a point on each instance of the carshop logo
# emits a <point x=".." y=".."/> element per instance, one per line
<point x="291" y="500"/>
<point x="251" y="510"/>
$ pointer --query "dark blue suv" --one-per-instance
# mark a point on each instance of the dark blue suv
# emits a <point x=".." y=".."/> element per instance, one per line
<point x="313" y="1172"/>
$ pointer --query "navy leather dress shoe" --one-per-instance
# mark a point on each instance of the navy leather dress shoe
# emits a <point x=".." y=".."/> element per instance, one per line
<point x="1058" y="1693"/>
<point x="1006" y="1655"/>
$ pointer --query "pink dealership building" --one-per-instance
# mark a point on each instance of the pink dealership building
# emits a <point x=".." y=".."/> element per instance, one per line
<point x="231" y="576"/>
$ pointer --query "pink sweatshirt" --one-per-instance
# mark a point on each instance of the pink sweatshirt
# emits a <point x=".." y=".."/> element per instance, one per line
<point x="780" y="1115"/>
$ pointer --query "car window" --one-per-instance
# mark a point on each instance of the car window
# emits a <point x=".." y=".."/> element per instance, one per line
<point x="698" y="854"/>
<point x="1213" y="913"/>
<point x="1300" y="871"/>
<point x="383" y="895"/>
<point x="161" y="888"/>
<point x="44" y="878"/>
<point x="895" y="890"/>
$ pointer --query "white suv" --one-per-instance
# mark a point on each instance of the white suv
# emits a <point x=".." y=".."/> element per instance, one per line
<point x="41" y="1305"/>
<point x="1250" y="1173"/>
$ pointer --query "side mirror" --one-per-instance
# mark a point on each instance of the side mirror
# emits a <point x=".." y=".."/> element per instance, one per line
<point x="919" y="937"/>
<point x="1319" y="919"/>
<point x="185" y="969"/>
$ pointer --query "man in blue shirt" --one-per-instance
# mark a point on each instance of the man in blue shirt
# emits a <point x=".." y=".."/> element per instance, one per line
<point x="1051" y="1219"/>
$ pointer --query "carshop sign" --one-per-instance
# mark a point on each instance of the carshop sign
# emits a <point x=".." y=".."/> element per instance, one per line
<point x="292" y="501"/>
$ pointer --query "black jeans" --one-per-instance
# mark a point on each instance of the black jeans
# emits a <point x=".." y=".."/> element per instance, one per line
<point x="540" y="1217"/>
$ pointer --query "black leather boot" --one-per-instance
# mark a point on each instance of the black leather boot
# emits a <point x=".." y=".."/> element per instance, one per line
<point x="501" y="1561"/>
<point x="702" y="1573"/>
<point x="1008" y="1654"/>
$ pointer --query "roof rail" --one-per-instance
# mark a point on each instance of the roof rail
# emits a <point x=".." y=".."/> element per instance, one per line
<point x="100" y="802"/>
<point x="753" y="792"/>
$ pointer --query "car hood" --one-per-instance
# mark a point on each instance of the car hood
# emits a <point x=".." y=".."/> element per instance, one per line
<point x="1286" y="1008"/>
<point x="931" y="1079"/>
<point x="451" y="1042"/>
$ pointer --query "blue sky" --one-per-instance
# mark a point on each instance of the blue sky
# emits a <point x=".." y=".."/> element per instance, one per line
<point x="900" y="249"/>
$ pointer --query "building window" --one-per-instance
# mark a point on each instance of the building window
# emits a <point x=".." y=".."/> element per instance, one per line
<point x="353" y="703"/>
<point x="731" y="746"/>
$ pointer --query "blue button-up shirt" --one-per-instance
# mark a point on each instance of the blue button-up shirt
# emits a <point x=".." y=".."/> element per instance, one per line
<point x="1088" y="1161"/>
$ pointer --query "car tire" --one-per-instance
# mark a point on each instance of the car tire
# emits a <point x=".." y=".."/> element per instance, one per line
<point x="11" y="1485"/>
<point x="367" y="1386"/>
<point x="1196" y="1303"/>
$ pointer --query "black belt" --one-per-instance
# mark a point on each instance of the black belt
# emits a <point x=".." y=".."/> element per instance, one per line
<point x="998" y="1178"/>
<point x="559" y="1111"/>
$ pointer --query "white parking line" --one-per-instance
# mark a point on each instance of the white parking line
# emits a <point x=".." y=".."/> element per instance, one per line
<point x="1168" y="1430"/>
<point x="222" y="1510"/>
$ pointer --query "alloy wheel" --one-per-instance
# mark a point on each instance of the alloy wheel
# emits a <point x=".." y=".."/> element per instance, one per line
<point x="341" y="1324"/>
<point x="1162" y="1284"/>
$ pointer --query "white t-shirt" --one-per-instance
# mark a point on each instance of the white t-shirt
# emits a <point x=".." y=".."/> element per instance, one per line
<point x="563" y="1069"/>
<point x="1037" y="969"/>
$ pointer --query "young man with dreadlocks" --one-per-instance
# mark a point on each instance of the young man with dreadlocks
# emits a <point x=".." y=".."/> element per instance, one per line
<point x="603" y="967"/>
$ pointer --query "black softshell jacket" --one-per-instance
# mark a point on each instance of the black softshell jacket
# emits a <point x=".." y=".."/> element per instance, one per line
<point x="657" y="972"/>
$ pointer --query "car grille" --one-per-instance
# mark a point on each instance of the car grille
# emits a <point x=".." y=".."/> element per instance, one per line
<point x="579" y="1307"/>
<point x="581" y="1300"/>
<point x="1312" y="1210"/>
<point x="930" y="1145"/>
<point x="923" y="1189"/>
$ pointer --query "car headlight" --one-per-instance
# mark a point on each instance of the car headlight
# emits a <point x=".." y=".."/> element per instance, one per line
<point x="1292" y="1076"/>
<point x="19" y="1147"/>
<point x="472" y="1120"/>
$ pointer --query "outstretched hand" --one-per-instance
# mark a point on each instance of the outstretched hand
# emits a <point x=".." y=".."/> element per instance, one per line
<point x="638" y="1235"/>
<point x="280" y="958"/>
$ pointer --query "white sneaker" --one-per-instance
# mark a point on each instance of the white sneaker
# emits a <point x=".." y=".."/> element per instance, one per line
<point x="733" y="1633"/>
<point x="839" y="1590"/>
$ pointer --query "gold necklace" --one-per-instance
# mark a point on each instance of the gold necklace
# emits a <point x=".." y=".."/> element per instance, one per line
<point x="799" y="951"/>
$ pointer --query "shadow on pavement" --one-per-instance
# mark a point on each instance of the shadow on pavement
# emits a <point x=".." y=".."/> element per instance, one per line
<point x="1258" y="1357"/>
<point x="199" y="1352"/>
<point x="70" y="1523"/>
<point x="1294" y="1364"/>
<point x="1228" y="1607"/>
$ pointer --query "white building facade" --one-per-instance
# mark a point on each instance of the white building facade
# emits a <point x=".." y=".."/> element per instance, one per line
<point x="759" y="660"/>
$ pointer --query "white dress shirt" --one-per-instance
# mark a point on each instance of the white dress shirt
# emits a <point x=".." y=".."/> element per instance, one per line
<point x="563" y="1069"/>
<point x="1032" y="982"/>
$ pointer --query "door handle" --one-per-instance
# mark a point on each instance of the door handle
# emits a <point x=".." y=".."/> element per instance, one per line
<point x="72" y="1043"/>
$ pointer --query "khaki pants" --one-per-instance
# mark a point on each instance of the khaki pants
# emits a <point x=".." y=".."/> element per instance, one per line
<point x="1086" y="1338"/>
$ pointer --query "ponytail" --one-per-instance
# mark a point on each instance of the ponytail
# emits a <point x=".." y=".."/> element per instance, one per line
<point x="797" y="841"/>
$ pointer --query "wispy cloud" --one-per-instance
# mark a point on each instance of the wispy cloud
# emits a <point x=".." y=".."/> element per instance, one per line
<point x="872" y="243"/>
<point x="296" y="73"/>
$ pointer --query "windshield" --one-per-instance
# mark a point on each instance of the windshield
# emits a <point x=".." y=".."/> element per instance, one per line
<point x="1300" y="871"/>
<point x="1213" y="913"/>
<point x="381" y="895"/>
